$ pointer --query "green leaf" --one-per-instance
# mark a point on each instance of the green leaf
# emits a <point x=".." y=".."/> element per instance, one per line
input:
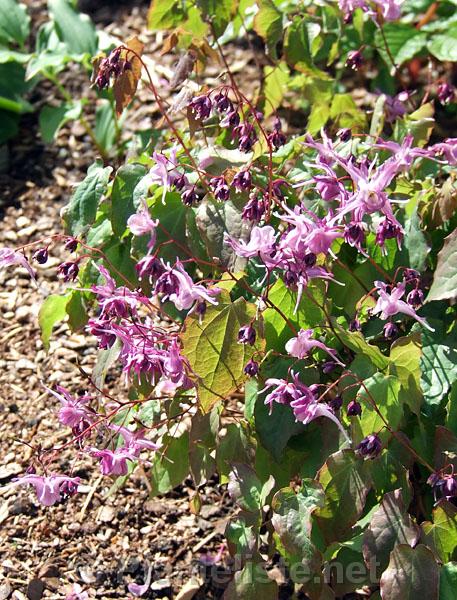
<point x="444" y="46"/>
<point x="52" y="311"/>
<point x="438" y="365"/>
<point x="412" y="573"/>
<point x="235" y="447"/>
<point x="389" y="526"/>
<point x="274" y="87"/>
<point x="52" y="118"/>
<point x="74" y="29"/>
<point x="345" y="112"/>
<point x="47" y="62"/>
<point x="172" y="226"/>
<point x="444" y="286"/>
<point x="346" y="482"/>
<point x="82" y="208"/>
<point x="292" y="520"/>
<point x="241" y="537"/>
<point x="219" y="11"/>
<point x="213" y="221"/>
<point x="76" y="310"/>
<point x="213" y="351"/>
<point x="14" y="22"/>
<point x="165" y="14"/>
<point x="356" y="342"/>
<point x="245" y="487"/>
<point x="448" y="581"/>
<point x="416" y="243"/>
<point x="105" y="125"/>
<point x="308" y="315"/>
<point x="404" y="42"/>
<point x="384" y="390"/>
<point x="170" y="466"/>
<point x="405" y="357"/>
<point x="105" y="360"/>
<point x="122" y="206"/>
<point x="268" y="24"/>
<point x="441" y="535"/>
<point x="251" y="583"/>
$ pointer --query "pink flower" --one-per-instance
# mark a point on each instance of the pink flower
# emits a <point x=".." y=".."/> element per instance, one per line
<point x="306" y="411"/>
<point x="140" y="590"/>
<point x="73" y="410"/>
<point x="9" y="257"/>
<point x="301" y="346"/>
<point x="179" y="288"/>
<point x="49" y="489"/>
<point x="262" y="244"/>
<point x="114" y="463"/>
<point x="134" y="440"/>
<point x="391" y="304"/>
<point x="141" y="223"/>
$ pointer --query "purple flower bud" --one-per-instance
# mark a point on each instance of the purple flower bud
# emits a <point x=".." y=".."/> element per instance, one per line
<point x="189" y="196"/>
<point x="390" y="330"/>
<point x="354" y="409"/>
<point x="41" y="256"/>
<point x="68" y="271"/>
<point x="246" y="143"/>
<point x="388" y="230"/>
<point x="415" y="298"/>
<point x="30" y="470"/>
<point x="344" y="134"/>
<point x="336" y="403"/>
<point x="449" y="487"/>
<point x="410" y="275"/>
<point x="310" y="259"/>
<point x="354" y="234"/>
<point x="220" y="188"/>
<point x="180" y="182"/>
<point x="246" y="335"/>
<point x="355" y="325"/>
<point x="254" y="209"/>
<point x="251" y="368"/>
<point x="328" y="366"/>
<point x="223" y="104"/>
<point x="277" y="191"/>
<point x="354" y="60"/>
<point x="445" y="92"/>
<point x="290" y="278"/>
<point x="149" y="267"/>
<point x="277" y="139"/>
<point x="231" y="119"/>
<point x="242" y="181"/>
<point x="71" y="244"/>
<point x="68" y="489"/>
<point x="370" y="447"/>
<point x="201" y="107"/>
<point x="200" y="308"/>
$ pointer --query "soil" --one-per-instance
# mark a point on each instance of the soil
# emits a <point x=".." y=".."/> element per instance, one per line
<point x="100" y="539"/>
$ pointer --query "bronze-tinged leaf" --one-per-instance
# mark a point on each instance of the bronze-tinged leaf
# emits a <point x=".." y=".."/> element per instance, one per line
<point x="126" y="84"/>
<point x="170" y="42"/>
<point x="389" y="526"/>
<point x="412" y="573"/>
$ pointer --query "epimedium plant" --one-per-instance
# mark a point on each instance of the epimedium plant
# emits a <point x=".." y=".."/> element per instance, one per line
<point x="281" y="306"/>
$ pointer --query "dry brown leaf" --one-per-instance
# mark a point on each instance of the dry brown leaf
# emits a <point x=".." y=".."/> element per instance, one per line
<point x="126" y="84"/>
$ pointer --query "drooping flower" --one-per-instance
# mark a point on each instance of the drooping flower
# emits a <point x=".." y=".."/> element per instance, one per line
<point x="370" y="447"/>
<point x="141" y="224"/>
<point x="114" y="462"/>
<point x="445" y="92"/>
<point x="9" y="257"/>
<point x="261" y="244"/>
<point x="117" y="301"/>
<point x="49" y="489"/>
<point x="73" y="409"/>
<point x="134" y="440"/>
<point x="302" y="345"/>
<point x="391" y="304"/>
<point x="178" y="287"/>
